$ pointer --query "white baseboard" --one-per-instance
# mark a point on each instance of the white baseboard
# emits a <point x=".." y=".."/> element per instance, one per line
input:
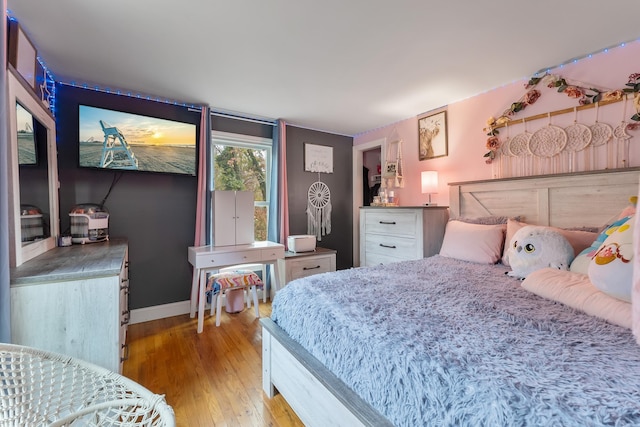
<point x="159" y="312"/>
<point x="156" y="312"/>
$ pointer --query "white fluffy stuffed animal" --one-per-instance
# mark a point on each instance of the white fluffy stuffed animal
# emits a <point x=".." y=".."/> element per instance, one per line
<point x="533" y="247"/>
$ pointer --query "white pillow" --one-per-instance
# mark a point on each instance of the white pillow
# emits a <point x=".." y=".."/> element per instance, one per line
<point x="576" y="291"/>
<point x="581" y="263"/>
<point x="611" y="268"/>
<point x="473" y="242"/>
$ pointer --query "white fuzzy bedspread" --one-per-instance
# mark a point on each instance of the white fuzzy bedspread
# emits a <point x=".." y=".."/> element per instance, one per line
<point x="445" y="342"/>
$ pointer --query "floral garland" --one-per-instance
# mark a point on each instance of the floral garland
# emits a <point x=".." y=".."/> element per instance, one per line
<point x="582" y="94"/>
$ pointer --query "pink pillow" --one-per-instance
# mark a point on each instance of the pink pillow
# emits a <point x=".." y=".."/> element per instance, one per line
<point x="578" y="239"/>
<point x="473" y="242"/>
<point x="576" y="291"/>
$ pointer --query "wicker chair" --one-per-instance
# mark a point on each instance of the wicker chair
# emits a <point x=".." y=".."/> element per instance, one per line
<point x="39" y="388"/>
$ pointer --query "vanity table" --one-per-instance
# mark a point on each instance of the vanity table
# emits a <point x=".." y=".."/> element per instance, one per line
<point x="205" y="259"/>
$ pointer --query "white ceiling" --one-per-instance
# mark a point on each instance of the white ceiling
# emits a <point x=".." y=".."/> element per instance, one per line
<point x="340" y="66"/>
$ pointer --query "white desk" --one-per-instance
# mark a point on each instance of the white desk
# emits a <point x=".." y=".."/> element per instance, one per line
<point x="210" y="258"/>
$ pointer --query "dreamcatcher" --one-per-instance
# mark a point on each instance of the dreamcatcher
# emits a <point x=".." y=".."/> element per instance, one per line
<point x="619" y="151"/>
<point x="545" y="144"/>
<point x="319" y="209"/>
<point x="601" y="133"/>
<point x="579" y="136"/>
<point x="519" y="149"/>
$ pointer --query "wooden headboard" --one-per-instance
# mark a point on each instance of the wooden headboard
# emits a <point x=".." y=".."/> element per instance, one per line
<point x="564" y="200"/>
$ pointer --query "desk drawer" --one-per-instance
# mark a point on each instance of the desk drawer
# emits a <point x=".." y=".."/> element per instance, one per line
<point x="308" y="266"/>
<point x="272" y="253"/>
<point x="227" y="258"/>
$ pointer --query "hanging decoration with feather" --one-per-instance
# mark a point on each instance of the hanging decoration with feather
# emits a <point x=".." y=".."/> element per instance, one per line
<point x="319" y="209"/>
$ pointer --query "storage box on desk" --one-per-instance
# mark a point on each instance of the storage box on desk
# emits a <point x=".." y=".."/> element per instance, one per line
<point x="301" y="243"/>
<point x="89" y="223"/>
<point x="31" y="223"/>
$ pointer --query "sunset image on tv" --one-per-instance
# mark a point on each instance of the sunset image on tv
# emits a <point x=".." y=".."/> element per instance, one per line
<point x="118" y="140"/>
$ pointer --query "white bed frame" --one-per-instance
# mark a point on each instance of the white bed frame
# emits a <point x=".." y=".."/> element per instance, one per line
<point x="565" y="200"/>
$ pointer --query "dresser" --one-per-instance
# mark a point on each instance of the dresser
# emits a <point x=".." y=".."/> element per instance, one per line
<point x="74" y="300"/>
<point x="390" y="234"/>
<point x="295" y="265"/>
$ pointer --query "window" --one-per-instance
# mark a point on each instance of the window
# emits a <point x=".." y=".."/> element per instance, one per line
<point x="243" y="163"/>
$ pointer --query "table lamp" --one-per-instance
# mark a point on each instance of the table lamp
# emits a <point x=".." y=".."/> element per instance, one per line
<point x="429" y="185"/>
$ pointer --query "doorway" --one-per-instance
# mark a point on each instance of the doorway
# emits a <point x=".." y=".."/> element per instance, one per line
<point x="358" y="185"/>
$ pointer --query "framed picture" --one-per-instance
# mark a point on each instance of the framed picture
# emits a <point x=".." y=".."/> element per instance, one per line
<point x="22" y="54"/>
<point x="318" y="158"/>
<point x="432" y="136"/>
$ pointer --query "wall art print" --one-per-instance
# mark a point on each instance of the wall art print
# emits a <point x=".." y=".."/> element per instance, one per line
<point x="432" y="136"/>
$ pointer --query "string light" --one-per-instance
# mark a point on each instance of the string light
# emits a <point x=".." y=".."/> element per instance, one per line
<point x="51" y="85"/>
<point x="120" y="92"/>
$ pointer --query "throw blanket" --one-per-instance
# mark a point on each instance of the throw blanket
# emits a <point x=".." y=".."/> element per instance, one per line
<point x="439" y="341"/>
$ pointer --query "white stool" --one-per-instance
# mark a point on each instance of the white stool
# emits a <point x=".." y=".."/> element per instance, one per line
<point x="219" y="283"/>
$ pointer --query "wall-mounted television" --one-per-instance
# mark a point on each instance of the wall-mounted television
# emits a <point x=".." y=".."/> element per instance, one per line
<point x="118" y="140"/>
<point x="27" y="148"/>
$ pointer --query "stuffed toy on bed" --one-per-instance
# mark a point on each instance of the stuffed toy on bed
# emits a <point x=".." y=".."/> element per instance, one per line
<point x="534" y="247"/>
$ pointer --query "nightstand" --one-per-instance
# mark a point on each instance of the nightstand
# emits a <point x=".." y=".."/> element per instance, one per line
<point x="303" y="264"/>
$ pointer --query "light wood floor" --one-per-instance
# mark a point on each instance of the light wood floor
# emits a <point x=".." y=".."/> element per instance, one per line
<point x="212" y="378"/>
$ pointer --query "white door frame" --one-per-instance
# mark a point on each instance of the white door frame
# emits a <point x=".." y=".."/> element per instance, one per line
<point x="358" y="151"/>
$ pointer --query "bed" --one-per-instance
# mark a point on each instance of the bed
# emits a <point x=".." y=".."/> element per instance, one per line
<point x="444" y="341"/>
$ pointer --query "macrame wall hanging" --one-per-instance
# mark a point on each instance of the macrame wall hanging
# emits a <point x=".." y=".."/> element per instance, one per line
<point x="393" y="168"/>
<point x="318" y="159"/>
<point x="319" y="209"/>
<point x="564" y="146"/>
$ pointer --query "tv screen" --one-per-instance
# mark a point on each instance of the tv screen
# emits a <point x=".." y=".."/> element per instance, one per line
<point x="117" y="140"/>
<point x="27" y="152"/>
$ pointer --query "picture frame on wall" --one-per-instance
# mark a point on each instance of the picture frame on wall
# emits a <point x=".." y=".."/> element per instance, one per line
<point x="22" y="54"/>
<point x="432" y="136"/>
<point x="318" y="158"/>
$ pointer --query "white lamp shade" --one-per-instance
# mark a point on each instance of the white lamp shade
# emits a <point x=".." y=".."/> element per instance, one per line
<point x="429" y="182"/>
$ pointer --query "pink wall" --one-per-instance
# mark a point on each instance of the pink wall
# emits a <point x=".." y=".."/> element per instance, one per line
<point x="466" y="120"/>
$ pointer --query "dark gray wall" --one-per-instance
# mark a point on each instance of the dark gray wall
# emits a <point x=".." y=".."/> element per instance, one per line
<point x="155" y="212"/>
<point x="339" y="183"/>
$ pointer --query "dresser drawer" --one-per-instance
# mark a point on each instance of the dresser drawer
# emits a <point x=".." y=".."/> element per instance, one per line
<point x="308" y="266"/>
<point x="399" y="248"/>
<point x="377" y="259"/>
<point x="398" y="223"/>
<point x="227" y="258"/>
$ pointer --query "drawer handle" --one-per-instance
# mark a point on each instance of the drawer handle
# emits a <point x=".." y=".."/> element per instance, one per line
<point x="388" y="246"/>
<point x="125" y="318"/>
<point x="310" y="268"/>
<point x="125" y="352"/>
<point x="388" y="222"/>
